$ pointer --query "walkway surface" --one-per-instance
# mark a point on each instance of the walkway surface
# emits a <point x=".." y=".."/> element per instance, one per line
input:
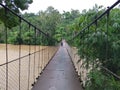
<point x="59" y="74"/>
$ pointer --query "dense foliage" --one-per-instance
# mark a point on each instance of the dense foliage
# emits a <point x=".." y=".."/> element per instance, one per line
<point x="50" y="21"/>
<point x="11" y="20"/>
<point x="99" y="45"/>
<point x="16" y="5"/>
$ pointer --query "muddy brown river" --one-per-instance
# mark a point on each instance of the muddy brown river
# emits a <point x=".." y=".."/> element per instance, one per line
<point x="22" y="72"/>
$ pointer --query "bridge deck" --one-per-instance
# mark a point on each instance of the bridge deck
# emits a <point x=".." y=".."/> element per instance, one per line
<point x="59" y="74"/>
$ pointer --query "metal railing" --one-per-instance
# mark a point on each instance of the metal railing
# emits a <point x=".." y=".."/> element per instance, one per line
<point x="84" y="34"/>
<point x="22" y="64"/>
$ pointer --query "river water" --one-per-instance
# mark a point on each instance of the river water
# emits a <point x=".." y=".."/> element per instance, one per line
<point x="13" y="51"/>
<point x="23" y="73"/>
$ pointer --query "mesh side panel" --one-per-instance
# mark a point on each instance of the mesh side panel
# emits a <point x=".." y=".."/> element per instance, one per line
<point x="3" y="77"/>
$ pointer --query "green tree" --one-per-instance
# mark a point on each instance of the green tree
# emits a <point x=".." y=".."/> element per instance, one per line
<point x="9" y="19"/>
<point x="97" y="46"/>
<point x="17" y="5"/>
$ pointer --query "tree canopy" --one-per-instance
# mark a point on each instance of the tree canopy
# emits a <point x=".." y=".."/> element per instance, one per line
<point x="9" y="19"/>
<point x="17" y="5"/>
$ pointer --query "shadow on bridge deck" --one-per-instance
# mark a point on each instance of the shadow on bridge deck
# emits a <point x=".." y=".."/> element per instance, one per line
<point x="59" y="74"/>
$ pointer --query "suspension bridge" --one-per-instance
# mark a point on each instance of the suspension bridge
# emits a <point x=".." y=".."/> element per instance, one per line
<point x="45" y="65"/>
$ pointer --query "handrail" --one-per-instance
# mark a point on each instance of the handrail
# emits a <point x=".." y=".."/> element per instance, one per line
<point x="22" y="57"/>
<point x="88" y="49"/>
<point x="94" y="21"/>
<point x="22" y="71"/>
<point x="118" y="77"/>
<point x="21" y="18"/>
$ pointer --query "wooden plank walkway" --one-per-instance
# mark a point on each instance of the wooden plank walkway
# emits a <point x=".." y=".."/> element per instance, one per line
<point x="59" y="74"/>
